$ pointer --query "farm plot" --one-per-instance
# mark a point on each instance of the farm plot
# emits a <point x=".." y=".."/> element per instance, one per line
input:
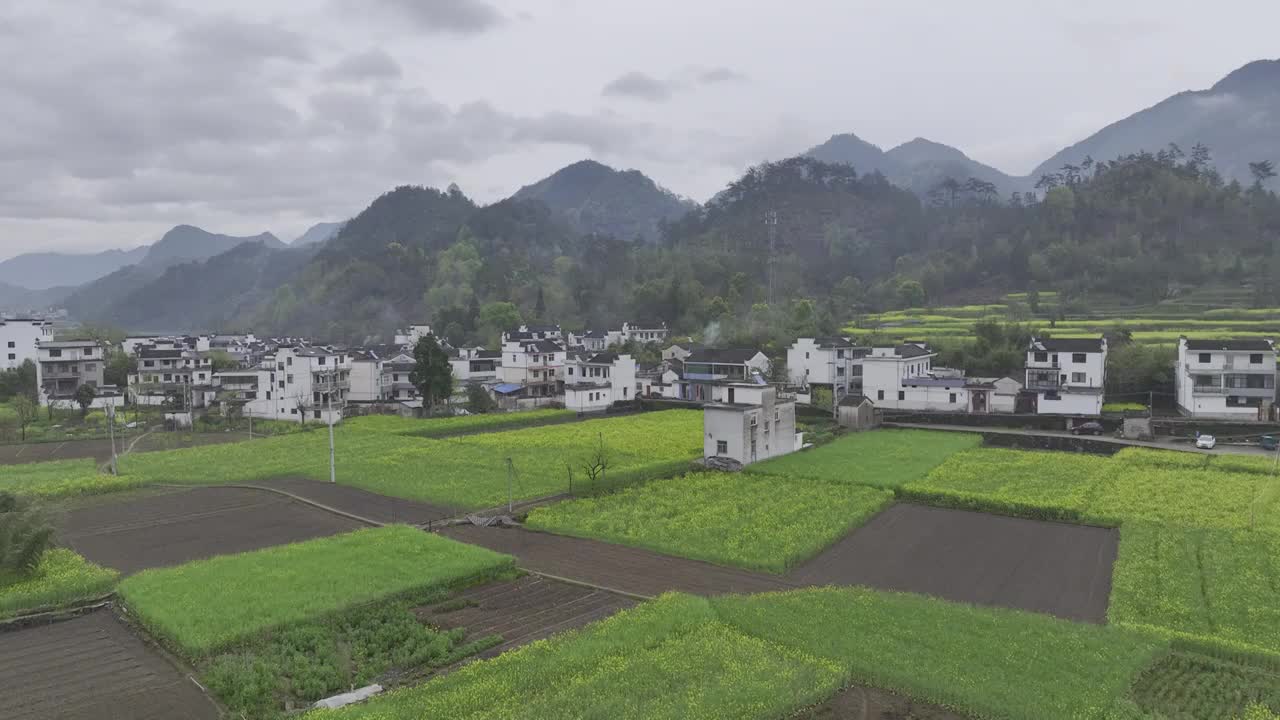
<point x="884" y="458"/>
<point x="460" y="425"/>
<point x="1053" y="568"/>
<point x="670" y="658"/>
<point x="135" y="532"/>
<point x="91" y="668"/>
<point x="210" y="604"/>
<point x="755" y="521"/>
<point x="62" y="579"/>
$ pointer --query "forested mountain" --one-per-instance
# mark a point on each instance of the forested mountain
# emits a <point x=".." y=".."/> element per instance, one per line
<point x="318" y="233"/>
<point x="185" y="242"/>
<point x="1239" y="117"/>
<point x="919" y="165"/>
<point x="44" y="270"/>
<point x="595" y="198"/>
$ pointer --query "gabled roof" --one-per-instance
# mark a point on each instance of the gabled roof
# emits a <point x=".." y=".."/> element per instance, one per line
<point x="487" y="355"/>
<point x="546" y="346"/>
<point x="1072" y="345"/>
<point x="1224" y="345"/>
<point x="910" y="351"/>
<point x="721" y="357"/>
<point x="154" y="354"/>
<point x="595" y="334"/>
<point x="67" y="343"/>
<point x="603" y="358"/>
<point x="543" y="328"/>
<point x="832" y="342"/>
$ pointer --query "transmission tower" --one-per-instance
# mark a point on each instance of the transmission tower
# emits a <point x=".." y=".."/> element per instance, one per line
<point x="771" y="220"/>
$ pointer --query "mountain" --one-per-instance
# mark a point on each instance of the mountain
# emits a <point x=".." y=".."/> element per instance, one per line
<point x="16" y="300"/>
<point x="918" y="165"/>
<point x="185" y="242"/>
<point x="318" y="233"/>
<point x="44" y="270"/>
<point x="1238" y="119"/>
<point x="205" y="295"/>
<point x="595" y="198"/>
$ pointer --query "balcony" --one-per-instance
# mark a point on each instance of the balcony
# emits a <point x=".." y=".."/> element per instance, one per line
<point x="60" y="373"/>
<point x="1209" y="390"/>
<point x="329" y="384"/>
<point x="1042" y="381"/>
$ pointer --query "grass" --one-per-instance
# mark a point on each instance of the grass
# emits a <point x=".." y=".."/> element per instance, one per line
<point x="750" y="520"/>
<point x="987" y="662"/>
<point x="668" y="659"/>
<point x="1120" y="407"/>
<point x="463" y="472"/>
<point x="1221" y="690"/>
<point x="462" y="424"/>
<point x="207" y="605"/>
<point x="881" y="458"/>
<point x="63" y="579"/>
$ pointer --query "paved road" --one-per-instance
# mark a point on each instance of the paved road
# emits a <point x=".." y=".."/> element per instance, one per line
<point x="1157" y="444"/>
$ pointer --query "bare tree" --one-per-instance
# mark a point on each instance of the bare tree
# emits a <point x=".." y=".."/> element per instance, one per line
<point x="597" y="464"/>
<point x="26" y="410"/>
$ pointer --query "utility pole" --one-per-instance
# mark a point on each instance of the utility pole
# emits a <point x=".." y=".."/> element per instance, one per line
<point x="111" y="429"/>
<point x="511" y="469"/>
<point x="328" y="399"/>
<point x="771" y="220"/>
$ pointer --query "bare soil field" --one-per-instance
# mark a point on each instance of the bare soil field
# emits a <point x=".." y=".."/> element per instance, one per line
<point x="379" y="508"/>
<point x="92" y="668"/>
<point x="99" y="449"/>
<point x="859" y="703"/>
<point x="159" y="529"/>
<point x="1045" y="567"/>
<point x="523" y="610"/>
<point x="629" y="570"/>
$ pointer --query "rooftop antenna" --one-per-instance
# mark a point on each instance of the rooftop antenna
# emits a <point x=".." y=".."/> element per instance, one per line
<point x="771" y="220"/>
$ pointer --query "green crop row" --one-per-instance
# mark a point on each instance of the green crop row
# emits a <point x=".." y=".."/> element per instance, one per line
<point x="750" y="520"/>
<point x="459" y="425"/>
<point x="208" y="605"/>
<point x="885" y="458"/>
<point x="62" y="579"/>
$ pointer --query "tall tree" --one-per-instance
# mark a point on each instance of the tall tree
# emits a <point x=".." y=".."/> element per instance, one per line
<point x="84" y="397"/>
<point x="1263" y="170"/>
<point x="432" y="374"/>
<point x="26" y="409"/>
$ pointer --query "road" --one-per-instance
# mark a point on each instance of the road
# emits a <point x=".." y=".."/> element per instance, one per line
<point x="1167" y="444"/>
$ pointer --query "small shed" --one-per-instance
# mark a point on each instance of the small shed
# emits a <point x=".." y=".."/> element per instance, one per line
<point x="857" y="412"/>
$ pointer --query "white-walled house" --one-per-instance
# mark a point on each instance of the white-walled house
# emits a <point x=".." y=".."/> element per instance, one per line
<point x="710" y="375"/>
<point x="831" y="362"/>
<point x="411" y="336"/>
<point x="64" y="365"/>
<point x="166" y="370"/>
<point x="680" y="351"/>
<point x="758" y="425"/>
<point x="645" y="332"/>
<point x="18" y="340"/>
<point x="535" y="365"/>
<point x="1226" y="379"/>
<point x="596" y="382"/>
<point x="309" y="383"/>
<point x="475" y="365"/>
<point x="1067" y="375"/>
<point x="366" y="376"/>
<point x="396" y="372"/>
<point x="886" y="372"/>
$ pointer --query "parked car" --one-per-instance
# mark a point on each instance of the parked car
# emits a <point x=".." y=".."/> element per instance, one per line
<point x="1206" y="442"/>
<point x="1268" y="442"/>
<point x="1088" y="428"/>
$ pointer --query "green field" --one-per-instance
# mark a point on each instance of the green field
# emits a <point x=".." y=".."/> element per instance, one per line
<point x="884" y="458"/>
<point x="462" y="424"/>
<point x="464" y="472"/>
<point x="752" y="520"/>
<point x="766" y="656"/>
<point x="62" y="579"/>
<point x="210" y="604"/>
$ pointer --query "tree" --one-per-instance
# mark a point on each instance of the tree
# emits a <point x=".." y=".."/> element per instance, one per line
<point x="25" y="535"/>
<point x="495" y="317"/>
<point x="222" y="360"/>
<point x="432" y="374"/>
<point x="84" y="397"/>
<point x="1262" y="171"/>
<point x="597" y="463"/>
<point x="478" y="399"/>
<point x="26" y="410"/>
<point x="910" y="294"/>
<point x="18" y="381"/>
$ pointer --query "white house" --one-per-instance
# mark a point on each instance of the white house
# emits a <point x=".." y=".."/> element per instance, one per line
<point x="1067" y="375"/>
<point x="310" y="383"/>
<point x="166" y="370"/>
<point x="758" y="425"/>
<point x="886" y="372"/>
<point x="366" y="376"/>
<point x="64" y="365"/>
<point x="681" y="350"/>
<point x="830" y="362"/>
<point x="411" y="336"/>
<point x="649" y="331"/>
<point x="1228" y="379"/>
<point x="19" y="337"/>
<point x="475" y="365"/>
<point x="594" y="383"/>
<point x="710" y="375"/>
<point x="535" y="332"/>
<point x="396" y="383"/>
<point x="535" y="365"/>
<point x="993" y="395"/>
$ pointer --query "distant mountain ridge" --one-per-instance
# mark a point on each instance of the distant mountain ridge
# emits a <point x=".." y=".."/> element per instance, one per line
<point x="44" y="270"/>
<point x="318" y="233"/>
<point x="595" y="198"/>
<point x="918" y="165"/>
<point x="187" y="242"/>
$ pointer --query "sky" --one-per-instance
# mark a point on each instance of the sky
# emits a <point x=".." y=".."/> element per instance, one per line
<point x="123" y="118"/>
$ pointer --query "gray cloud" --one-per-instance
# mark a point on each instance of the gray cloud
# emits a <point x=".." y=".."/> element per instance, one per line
<point x="374" y="64"/>
<point x="638" y="85"/>
<point x="464" y="17"/>
<point x="715" y="76"/>
<point x="229" y="39"/>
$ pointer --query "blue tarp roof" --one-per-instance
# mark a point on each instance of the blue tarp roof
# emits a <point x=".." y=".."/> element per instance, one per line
<point x="507" y="388"/>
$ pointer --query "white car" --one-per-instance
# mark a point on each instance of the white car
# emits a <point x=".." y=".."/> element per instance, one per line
<point x="1206" y="442"/>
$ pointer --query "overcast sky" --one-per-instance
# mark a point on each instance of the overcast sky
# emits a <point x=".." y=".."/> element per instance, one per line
<point x="121" y="118"/>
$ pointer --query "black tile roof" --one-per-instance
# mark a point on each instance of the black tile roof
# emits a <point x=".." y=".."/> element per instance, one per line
<point x="1241" y="345"/>
<point x="910" y="351"/>
<point x="603" y="358"/>
<point x="832" y="342"/>
<point x="722" y="357"/>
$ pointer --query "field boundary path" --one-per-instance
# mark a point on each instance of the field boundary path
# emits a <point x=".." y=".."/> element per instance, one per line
<point x="1123" y="442"/>
<point x="93" y="668"/>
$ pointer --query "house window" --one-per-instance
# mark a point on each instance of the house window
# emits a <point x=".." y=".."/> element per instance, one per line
<point x="321" y="361"/>
<point x="1255" y="358"/>
<point x="289" y="379"/>
<point x="1042" y="357"/>
<point x="55" y="353"/>
<point x="902" y="395"/>
<point x="289" y="361"/>
<point x="806" y="356"/>
<point x="722" y="447"/>
<point x="879" y="394"/>
<point x="1077" y="377"/>
<point x="12" y="345"/>
<point x="571" y="370"/>
<point x="952" y="398"/>
<point x="317" y="413"/>
<point x="293" y="411"/>
<point x="1077" y="357"/>
<point x="1206" y="357"/>
<point x="281" y="384"/>
<point x="13" y="356"/>
<point x="168" y="377"/>
<point x="268" y="394"/>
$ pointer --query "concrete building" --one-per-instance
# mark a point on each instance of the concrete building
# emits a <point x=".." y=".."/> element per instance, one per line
<point x="166" y="371"/>
<point x="679" y="351"/>
<point x="649" y="331"/>
<point x="310" y="383"/>
<point x="758" y="425"/>
<point x="19" y="338"/>
<point x="886" y="372"/>
<point x="396" y="382"/>
<point x="366" y="376"/>
<point x="833" y="363"/>
<point x="1067" y="376"/>
<point x="475" y="365"/>
<point x="410" y="337"/>
<point x="711" y="375"/>
<point x="64" y="365"/>
<point x="596" y="382"/>
<point x="1226" y="379"/>
<point x="537" y="366"/>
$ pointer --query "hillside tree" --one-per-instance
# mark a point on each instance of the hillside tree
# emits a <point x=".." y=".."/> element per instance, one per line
<point x="432" y="374"/>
